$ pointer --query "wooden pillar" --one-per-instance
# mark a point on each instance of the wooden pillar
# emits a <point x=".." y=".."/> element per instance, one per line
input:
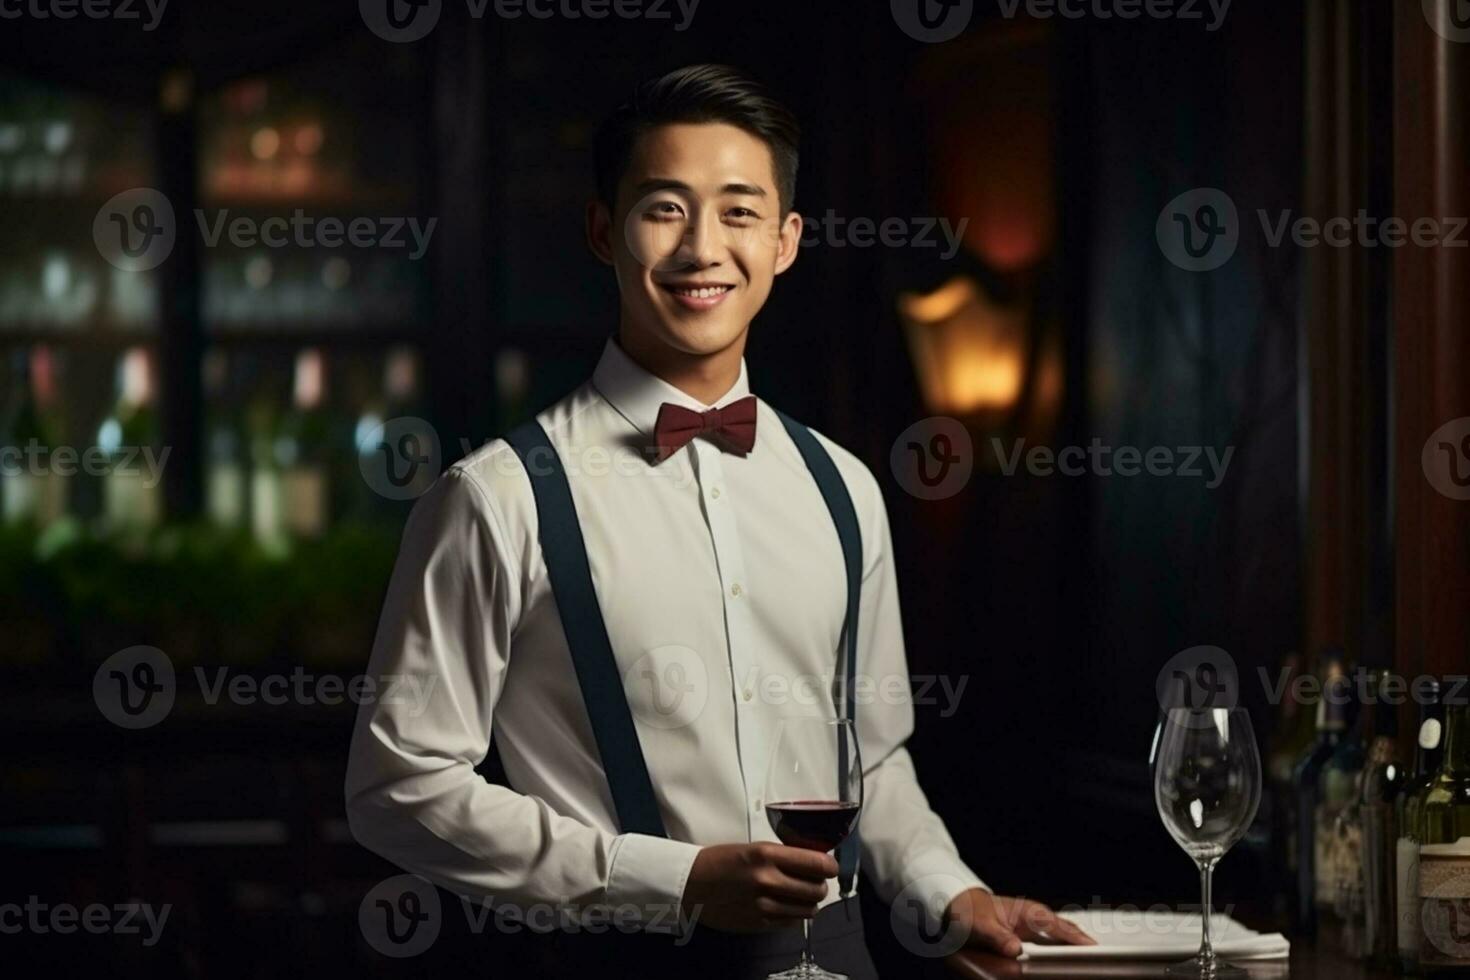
<point x="1334" y="404"/>
<point x="1431" y="320"/>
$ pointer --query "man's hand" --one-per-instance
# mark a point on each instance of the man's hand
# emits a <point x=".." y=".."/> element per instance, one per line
<point x="999" y="924"/>
<point x="756" y="887"/>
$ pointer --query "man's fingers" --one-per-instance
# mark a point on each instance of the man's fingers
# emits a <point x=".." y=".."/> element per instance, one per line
<point x="802" y="890"/>
<point x="993" y="934"/>
<point x="1036" y="921"/>
<point x="802" y="863"/>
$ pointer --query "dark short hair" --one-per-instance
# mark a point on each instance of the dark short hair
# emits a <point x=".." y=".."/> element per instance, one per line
<point x="698" y="94"/>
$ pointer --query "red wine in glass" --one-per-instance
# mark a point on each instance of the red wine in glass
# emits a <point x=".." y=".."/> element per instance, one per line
<point x="815" y="787"/>
<point x="817" y="825"/>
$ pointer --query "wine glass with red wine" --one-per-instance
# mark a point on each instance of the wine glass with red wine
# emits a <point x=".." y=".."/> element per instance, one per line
<point x="814" y="793"/>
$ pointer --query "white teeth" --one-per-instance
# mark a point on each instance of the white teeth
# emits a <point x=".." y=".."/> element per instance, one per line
<point x="705" y="293"/>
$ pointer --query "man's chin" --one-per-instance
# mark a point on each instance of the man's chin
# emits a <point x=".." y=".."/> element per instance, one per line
<point x="699" y="336"/>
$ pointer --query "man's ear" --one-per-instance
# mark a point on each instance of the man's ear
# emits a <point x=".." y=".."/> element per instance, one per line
<point x="789" y="242"/>
<point x="599" y="231"/>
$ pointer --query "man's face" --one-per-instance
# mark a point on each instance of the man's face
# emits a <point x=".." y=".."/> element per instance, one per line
<point x="696" y="236"/>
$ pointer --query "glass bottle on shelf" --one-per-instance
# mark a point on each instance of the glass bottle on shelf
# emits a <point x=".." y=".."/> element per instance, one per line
<point x="132" y="490"/>
<point x="263" y="415"/>
<point x="1331" y="723"/>
<point x="1294" y="735"/>
<point x="1444" y="856"/>
<point x="1428" y="753"/>
<point x="1339" y="867"/>
<point x="31" y="491"/>
<point x="303" y="449"/>
<point x="1383" y="774"/>
<point x="225" y="480"/>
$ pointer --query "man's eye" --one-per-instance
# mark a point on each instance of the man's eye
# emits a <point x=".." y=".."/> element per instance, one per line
<point x="663" y="210"/>
<point x="742" y="214"/>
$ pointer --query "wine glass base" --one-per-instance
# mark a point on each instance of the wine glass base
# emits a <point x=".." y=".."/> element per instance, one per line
<point x="806" y="972"/>
<point x="1201" y="970"/>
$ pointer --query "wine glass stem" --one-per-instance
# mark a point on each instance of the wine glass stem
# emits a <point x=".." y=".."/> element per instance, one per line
<point x="1206" y="884"/>
<point x="807" y="961"/>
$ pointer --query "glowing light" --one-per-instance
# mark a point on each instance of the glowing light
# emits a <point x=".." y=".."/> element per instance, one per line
<point x="264" y="143"/>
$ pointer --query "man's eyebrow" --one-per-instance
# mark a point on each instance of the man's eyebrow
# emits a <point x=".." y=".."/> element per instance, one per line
<point x="668" y="183"/>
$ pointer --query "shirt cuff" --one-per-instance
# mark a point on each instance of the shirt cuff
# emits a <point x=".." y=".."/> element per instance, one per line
<point x="943" y="877"/>
<point x="646" y="878"/>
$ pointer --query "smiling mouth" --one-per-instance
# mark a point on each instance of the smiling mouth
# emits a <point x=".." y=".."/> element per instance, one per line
<point x="698" y="296"/>
<point x="697" y="291"/>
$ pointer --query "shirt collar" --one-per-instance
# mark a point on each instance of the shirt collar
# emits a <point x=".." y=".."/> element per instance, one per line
<point x="637" y="393"/>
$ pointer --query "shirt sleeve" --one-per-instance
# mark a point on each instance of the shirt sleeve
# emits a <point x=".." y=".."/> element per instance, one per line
<point x="904" y="843"/>
<point x="413" y="795"/>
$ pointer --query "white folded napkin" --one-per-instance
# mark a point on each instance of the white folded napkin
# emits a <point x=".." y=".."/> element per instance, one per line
<point x="1157" y="935"/>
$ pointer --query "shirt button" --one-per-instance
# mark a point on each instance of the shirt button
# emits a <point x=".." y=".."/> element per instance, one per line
<point x="747" y="694"/>
<point x="714" y="493"/>
<point x="736" y="590"/>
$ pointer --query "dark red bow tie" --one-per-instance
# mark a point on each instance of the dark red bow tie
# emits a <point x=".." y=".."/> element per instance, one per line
<point x="731" y="426"/>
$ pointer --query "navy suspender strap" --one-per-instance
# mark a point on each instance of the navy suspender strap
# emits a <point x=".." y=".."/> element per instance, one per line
<point x="839" y="503"/>
<point x="565" y="553"/>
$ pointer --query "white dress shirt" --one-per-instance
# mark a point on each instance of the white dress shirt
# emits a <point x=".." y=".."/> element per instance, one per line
<point x="720" y="580"/>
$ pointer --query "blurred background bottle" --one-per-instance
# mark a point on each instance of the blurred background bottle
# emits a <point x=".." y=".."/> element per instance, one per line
<point x="1331" y="724"/>
<point x="1428" y="754"/>
<point x="1383" y="775"/>
<point x="1295" y="735"/>
<point x="132" y="488"/>
<point x="31" y="491"/>
<point x="303" y="449"/>
<point x="226" y="472"/>
<point x="1338" y="836"/>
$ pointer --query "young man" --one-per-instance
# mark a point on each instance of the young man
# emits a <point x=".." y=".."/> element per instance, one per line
<point x="660" y="537"/>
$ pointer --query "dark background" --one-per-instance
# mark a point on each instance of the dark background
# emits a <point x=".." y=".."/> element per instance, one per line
<point x="1059" y="598"/>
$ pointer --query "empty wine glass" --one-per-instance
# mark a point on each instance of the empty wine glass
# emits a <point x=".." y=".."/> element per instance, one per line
<point x="814" y="793"/>
<point x="1207" y="786"/>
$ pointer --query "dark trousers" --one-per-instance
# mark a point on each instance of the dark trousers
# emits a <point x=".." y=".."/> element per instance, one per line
<point x="707" y="954"/>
